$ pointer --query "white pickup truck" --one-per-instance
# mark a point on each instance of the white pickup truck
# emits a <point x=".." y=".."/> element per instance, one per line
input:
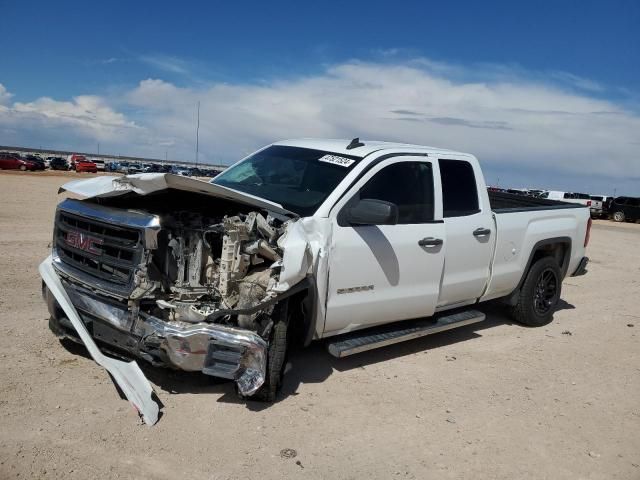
<point x="362" y="244"/>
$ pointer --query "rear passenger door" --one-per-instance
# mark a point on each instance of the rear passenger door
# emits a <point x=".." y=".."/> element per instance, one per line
<point x="470" y="234"/>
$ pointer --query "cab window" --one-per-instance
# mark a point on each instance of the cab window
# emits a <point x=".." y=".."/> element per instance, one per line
<point x="459" y="191"/>
<point x="409" y="185"/>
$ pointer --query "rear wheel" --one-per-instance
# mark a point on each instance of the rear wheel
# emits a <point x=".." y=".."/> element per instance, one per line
<point x="23" y="168"/>
<point x="277" y="354"/>
<point x="539" y="294"/>
<point x="618" y="216"/>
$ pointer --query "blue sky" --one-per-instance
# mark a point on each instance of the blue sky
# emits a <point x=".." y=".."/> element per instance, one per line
<point x="128" y="74"/>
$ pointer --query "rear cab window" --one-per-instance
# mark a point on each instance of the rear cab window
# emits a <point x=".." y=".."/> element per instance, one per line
<point x="459" y="188"/>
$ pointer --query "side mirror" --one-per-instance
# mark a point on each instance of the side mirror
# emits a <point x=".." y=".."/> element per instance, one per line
<point x="373" y="212"/>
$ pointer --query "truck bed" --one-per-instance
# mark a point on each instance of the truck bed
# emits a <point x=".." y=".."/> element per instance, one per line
<point x="509" y="203"/>
<point x="521" y="224"/>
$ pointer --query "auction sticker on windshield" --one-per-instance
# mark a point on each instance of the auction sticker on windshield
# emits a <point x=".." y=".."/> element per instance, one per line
<point x="336" y="160"/>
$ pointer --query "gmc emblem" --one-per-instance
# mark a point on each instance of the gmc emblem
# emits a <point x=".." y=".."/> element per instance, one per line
<point x="83" y="242"/>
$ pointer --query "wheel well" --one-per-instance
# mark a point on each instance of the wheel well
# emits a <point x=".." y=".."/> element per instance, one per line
<point x="302" y="317"/>
<point x="557" y="248"/>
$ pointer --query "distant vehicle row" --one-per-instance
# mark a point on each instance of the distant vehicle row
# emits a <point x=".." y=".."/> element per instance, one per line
<point x="15" y="161"/>
<point x="130" y="168"/>
<point x="79" y="163"/>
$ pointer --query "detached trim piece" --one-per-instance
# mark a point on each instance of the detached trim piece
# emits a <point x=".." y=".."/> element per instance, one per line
<point x="582" y="267"/>
<point x="127" y="375"/>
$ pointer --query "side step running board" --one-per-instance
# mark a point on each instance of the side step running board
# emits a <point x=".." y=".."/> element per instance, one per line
<point x="389" y="334"/>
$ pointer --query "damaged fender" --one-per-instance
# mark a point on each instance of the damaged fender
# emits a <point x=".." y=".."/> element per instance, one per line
<point x="305" y="244"/>
<point x="127" y="375"/>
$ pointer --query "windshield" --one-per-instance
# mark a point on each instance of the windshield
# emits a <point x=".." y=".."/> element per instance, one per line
<point x="299" y="179"/>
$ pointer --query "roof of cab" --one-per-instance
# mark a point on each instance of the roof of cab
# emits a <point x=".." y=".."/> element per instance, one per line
<point x="339" y="146"/>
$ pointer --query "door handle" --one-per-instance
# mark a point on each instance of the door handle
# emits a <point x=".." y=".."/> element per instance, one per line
<point x="430" y="242"/>
<point x="481" y="232"/>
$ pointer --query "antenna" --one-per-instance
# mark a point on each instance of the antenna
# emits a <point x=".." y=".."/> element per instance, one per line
<point x="355" y="143"/>
<point x="197" y="133"/>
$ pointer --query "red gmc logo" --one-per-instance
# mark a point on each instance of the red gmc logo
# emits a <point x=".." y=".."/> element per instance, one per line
<point x="83" y="242"/>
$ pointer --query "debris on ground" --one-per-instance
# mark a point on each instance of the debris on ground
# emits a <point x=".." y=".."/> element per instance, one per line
<point x="288" y="453"/>
<point x="567" y="332"/>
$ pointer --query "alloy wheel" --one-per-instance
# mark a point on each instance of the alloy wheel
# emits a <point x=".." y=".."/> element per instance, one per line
<point x="546" y="292"/>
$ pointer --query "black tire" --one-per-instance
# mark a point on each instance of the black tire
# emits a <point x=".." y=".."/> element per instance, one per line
<point x="539" y="294"/>
<point x="277" y="355"/>
<point x="618" y="216"/>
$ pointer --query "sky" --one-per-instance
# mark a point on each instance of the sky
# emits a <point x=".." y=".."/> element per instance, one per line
<point x="546" y="94"/>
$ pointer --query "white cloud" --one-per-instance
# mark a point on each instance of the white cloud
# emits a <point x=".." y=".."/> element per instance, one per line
<point x="86" y="112"/>
<point x="166" y="63"/>
<point x="507" y="120"/>
<point x="74" y="124"/>
<point x="5" y="96"/>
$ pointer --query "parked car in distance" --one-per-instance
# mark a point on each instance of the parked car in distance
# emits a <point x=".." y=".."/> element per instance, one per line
<point x="111" y="166"/>
<point x="123" y="167"/>
<point x="86" y="166"/>
<point x="569" y="197"/>
<point x="13" y="161"/>
<point x="135" y="168"/>
<point x="38" y="162"/>
<point x="183" y="171"/>
<point x="72" y="159"/>
<point x="536" y="193"/>
<point x="58" y="163"/>
<point x="625" y="209"/>
<point x="600" y="205"/>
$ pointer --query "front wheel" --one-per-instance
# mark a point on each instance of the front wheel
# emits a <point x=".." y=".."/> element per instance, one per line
<point x="23" y="168"/>
<point x="277" y="355"/>
<point x="539" y="294"/>
<point x="618" y="216"/>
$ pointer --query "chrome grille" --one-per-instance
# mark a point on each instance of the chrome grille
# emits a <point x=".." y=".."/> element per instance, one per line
<point x="115" y="250"/>
<point x="101" y="247"/>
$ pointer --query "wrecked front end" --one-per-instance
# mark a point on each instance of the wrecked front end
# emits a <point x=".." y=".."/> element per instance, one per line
<point x="174" y="277"/>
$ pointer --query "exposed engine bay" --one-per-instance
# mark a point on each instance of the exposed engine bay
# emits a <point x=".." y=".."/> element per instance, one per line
<point x="204" y="264"/>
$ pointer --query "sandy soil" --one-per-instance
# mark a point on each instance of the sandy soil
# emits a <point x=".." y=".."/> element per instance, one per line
<point x="494" y="400"/>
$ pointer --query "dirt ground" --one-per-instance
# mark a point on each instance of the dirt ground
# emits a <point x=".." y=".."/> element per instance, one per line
<point x="493" y="400"/>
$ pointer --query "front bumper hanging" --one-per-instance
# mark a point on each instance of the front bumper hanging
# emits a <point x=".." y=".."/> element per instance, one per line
<point x="213" y="349"/>
<point x="127" y="375"/>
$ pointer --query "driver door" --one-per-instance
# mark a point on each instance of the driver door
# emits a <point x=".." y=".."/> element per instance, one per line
<point x="383" y="273"/>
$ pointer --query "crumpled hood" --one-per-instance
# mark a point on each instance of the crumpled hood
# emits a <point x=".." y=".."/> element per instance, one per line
<point x="146" y="183"/>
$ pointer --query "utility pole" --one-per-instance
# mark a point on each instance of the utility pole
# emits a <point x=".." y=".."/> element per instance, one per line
<point x="98" y="148"/>
<point x="197" y="132"/>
